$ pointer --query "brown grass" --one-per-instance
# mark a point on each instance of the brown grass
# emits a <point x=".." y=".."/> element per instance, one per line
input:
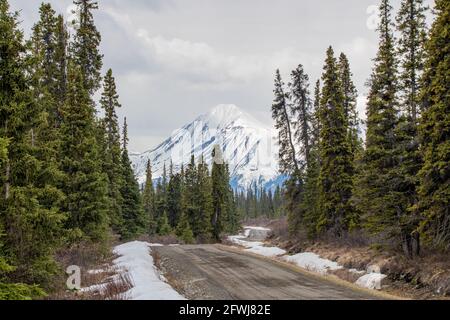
<point x="114" y="289"/>
<point x="91" y="256"/>
<point x="165" y="240"/>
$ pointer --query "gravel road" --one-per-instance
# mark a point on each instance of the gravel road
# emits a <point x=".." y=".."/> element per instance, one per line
<point x="202" y="272"/>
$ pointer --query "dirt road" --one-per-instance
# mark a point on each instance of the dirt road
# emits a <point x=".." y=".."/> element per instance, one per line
<point x="214" y="272"/>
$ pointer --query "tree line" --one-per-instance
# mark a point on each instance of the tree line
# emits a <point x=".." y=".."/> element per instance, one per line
<point x="395" y="184"/>
<point x="65" y="175"/>
<point x="259" y="202"/>
<point x="196" y="204"/>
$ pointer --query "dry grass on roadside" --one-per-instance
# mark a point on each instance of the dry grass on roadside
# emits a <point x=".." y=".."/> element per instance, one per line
<point x="97" y="272"/>
<point x="165" y="240"/>
<point x="114" y="289"/>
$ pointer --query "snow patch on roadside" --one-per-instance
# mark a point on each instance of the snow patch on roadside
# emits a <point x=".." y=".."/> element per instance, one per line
<point x="135" y="257"/>
<point x="256" y="228"/>
<point x="312" y="262"/>
<point x="371" y="281"/>
<point x="307" y="260"/>
<point x="256" y="247"/>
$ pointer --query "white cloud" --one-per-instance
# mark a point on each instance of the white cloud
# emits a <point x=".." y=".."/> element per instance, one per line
<point x="205" y="63"/>
<point x="199" y="62"/>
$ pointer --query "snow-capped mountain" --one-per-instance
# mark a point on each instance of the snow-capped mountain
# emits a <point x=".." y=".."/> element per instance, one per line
<point x="249" y="147"/>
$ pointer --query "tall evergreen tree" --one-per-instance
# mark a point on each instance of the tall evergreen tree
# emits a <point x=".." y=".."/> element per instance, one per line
<point x="148" y="199"/>
<point x="190" y="205"/>
<point x="135" y="221"/>
<point x="434" y="191"/>
<point x="163" y="227"/>
<point x="280" y="113"/>
<point x="29" y="209"/>
<point x="350" y="104"/>
<point x="312" y="192"/>
<point x="412" y="27"/>
<point x="411" y="23"/>
<point x="381" y="187"/>
<point x="288" y="161"/>
<point x="204" y="197"/>
<point x="85" y="47"/>
<point x="174" y="199"/>
<point x="184" y="231"/>
<point x="61" y="61"/>
<point x="85" y="184"/>
<point x="301" y="110"/>
<point x="335" y="179"/>
<point x="315" y="119"/>
<point x="112" y="157"/>
<point x="161" y="194"/>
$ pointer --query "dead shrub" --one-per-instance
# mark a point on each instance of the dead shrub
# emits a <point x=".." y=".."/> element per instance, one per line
<point x="114" y="289"/>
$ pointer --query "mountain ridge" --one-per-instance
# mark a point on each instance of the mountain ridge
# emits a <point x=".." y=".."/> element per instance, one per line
<point x="249" y="147"/>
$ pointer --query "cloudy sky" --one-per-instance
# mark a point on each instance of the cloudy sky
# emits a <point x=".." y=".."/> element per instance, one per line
<point x="176" y="59"/>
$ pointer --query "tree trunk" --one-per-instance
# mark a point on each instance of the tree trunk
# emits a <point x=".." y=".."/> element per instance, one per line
<point x="7" y="177"/>
<point x="407" y="245"/>
<point x="416" y="244"/>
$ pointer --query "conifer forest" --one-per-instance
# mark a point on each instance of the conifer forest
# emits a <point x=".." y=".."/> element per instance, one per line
<point x="70" y="190"/>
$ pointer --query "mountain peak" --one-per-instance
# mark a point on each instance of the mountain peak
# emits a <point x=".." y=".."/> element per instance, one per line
<point x="247" y="144"/>
<point x="225" y="109"/>
<point x="223" y="115"/>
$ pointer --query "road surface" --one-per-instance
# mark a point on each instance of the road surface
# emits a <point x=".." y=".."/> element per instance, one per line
<point x="214" y="272"/>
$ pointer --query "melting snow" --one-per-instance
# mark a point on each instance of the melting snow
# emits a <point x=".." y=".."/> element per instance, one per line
<point x="312" y="262"/>
<point x="148" y="284"/>
<point x="256" y="246"/>
<point x="306" y="260"/>
<point x="371" y="281"/>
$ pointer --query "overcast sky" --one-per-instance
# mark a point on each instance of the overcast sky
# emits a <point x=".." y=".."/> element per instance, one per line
<point x="176" y="59"/>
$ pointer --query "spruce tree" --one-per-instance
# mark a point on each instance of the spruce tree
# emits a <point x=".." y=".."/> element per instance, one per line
<point x="382" y="186"/>
<point x="190" y="203"/>
<point x="232" y="220"/>
<point x="61" y="61"/>
<point x="300" y="108"/>
<point x="411" y="23"/>
<point x="174" y="201"/>
<point x="163" y="228"/>
<point x="134" y="218"/>
<point x="315" y="121"/>
<point x="335" y="179"/>
<point x="85" y="47"/>
<point x="29" y="210"/>
<point x="112" y="157"/>
<point x="184" y="231"/>
<point x="8" y="290"/>
<point x="85" y="184"/>
<point x="412" y="28"/>
<point x="161" y="194"/>
<point x="434" y="191"/>
<point x="311" y="194"/>
<point x="287" y="155"/>
<point x="288" y="162"/>
<point x="350" y="104"/>
<point x="148" y="199"/>
<point x="202" y="227"/>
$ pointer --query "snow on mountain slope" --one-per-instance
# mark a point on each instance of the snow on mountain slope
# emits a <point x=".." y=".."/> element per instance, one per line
<point x="249" y="148"/>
